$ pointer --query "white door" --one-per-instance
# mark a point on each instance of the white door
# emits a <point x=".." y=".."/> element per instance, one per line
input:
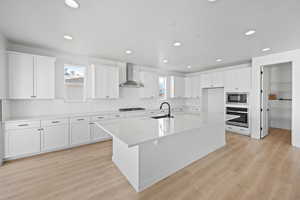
<point x="196" y="89"/>
<point x="22" y="141"/>
<point x="179" y="86"/>
<point x="98" y="133"/>
<point x="230" y="80"/>
<point x="218" y="79"/>
<point x="265" y="76"/>
<point x="44" y="75"/>
<point x="80" y="132"/>
<point x="244" y="77"/>
<point x="21" y="78"/>
<point x="54" y="137"/>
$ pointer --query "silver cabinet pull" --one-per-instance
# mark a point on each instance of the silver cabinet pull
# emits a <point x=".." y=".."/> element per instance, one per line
<point x="80" y="119"/>
<point x="100" y="117"/>
<point x="23" y="125"/>
<point x="55" y="122"/>
<point x="40" y="129"/>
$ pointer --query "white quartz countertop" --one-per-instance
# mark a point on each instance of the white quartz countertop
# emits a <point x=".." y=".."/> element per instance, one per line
<point x="135" y="131"/>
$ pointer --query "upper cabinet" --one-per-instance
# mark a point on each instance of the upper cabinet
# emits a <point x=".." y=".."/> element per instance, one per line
<point x="150" y="81"/>
<point x="30" y="76"/>
<point x="192" y="87"/>
<point x="105" y="82"/>
<point x="177" y="87"/>
<point x="212" y="80"/>
<point x="238" y="80"/>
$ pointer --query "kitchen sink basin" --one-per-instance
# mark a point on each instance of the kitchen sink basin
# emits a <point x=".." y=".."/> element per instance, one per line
<point x="162" y="116"/>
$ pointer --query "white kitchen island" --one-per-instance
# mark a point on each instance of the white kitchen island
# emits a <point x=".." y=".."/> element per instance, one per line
<point x="147" y="150"/>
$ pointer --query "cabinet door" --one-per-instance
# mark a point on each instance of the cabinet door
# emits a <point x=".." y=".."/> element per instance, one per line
<point x="98" y="133"/>
<point x="196" y="88"/>
<point x="55" y="137"/>
<point x="112" y="82"/>
<point x="21" y="78"/>
<point x="206" y="81"/>
<point x="244" y="77"/>
<point x="101" y="79"/>
<point x="231" y="80"/>
<point x="22" y="141"/>
<point x="80" y="132"/>
<point x="179" y="87"/>
<point x="44" y="77"/>
<point x="150" y="81"/>
<point x="188" y="87"/>
<point x="217" y="79"/>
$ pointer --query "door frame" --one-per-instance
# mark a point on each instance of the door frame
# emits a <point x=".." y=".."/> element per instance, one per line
<point x="285" y="57"/>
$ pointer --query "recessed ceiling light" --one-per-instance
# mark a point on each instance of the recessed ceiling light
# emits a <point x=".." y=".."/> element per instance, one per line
<point x="68" y="37"/>
<point x="250" y="32"/>
<point x="212" y="0"/>
<point x="177" y="44"/>
<point x="165" y="61"/>
<point x="189" y="66"/>
<point x="72" y="3"/>
<point x="128" y="51"/>
<point x="266" y="49"/>
<point x="219" y="60"/>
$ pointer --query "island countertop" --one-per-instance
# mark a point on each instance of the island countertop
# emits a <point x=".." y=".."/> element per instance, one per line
<point x="135" y="131"/>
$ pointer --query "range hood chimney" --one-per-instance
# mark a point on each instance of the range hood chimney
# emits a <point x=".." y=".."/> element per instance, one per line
<point x="130" y="82"/>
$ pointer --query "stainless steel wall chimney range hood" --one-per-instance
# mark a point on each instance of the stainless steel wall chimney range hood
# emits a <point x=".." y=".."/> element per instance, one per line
<point x="130" y="82"/>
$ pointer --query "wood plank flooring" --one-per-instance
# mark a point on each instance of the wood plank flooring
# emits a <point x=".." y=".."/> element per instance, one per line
<point x="245" y="169"/>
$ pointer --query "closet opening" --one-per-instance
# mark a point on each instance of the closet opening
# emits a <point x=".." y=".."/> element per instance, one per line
<point x="276" y="100"/>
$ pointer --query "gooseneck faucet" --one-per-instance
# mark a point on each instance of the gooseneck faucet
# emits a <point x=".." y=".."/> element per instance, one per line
<point x="169" y="107"/>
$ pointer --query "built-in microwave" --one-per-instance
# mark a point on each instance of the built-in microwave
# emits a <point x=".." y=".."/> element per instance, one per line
<point x="236" y="98"/>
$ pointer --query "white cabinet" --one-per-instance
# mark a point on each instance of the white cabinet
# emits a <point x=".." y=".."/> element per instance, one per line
<point x="192" y="87"/>
<point x="79" y="130"/>
<point x="30" y="76"/>
<point x="150" y="81"/>
<point x="238" y="80"/>
<point x="22" y="139"/>
<point x="55" y="134"/>
<point x="105" y="82"/>
<point x="44" y="72"/>
<point x="177" y="87"/>
<point x="212" y="80"/>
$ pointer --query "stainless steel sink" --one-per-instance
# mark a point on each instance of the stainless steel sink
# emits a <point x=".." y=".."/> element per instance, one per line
<point x="162" y="116"/>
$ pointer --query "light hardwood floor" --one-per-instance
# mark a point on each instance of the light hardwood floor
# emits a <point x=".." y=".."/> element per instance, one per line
<point x="245" y="169"/>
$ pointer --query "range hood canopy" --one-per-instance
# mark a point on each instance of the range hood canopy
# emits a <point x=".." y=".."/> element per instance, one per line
<point x="130" y="82"/>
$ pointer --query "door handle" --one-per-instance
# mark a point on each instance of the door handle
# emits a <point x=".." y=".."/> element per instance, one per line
<point x="21" y="125"/>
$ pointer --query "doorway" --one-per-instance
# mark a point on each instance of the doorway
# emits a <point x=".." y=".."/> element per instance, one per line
<point x="276" y="98"/>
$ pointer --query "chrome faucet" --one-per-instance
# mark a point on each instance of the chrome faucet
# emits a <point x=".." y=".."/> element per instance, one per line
<point x="169" y="107"/>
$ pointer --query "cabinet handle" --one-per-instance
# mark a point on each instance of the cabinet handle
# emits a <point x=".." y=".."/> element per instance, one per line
<point x="107" y="96"/>
<point x="40" y="129"/>
<point x="23" y="125"/>
<point x="117" y="115"/>
<point x="80" y="119"/>
<point x="55" y="122"/>
<point x="91" y="123"/>
<point x="100" y="117"/>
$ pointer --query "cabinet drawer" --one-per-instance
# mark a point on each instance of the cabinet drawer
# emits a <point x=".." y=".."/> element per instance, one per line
<point x="22" y="125"/>
<point x="54" y="122"/>
<point x="79" y="119"/>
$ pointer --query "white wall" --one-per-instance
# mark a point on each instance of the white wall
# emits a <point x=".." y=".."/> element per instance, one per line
<point x="290" y="56"/>
<point x="129" y="97"/>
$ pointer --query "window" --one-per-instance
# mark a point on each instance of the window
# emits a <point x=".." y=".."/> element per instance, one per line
<point x="74" y="82"/>
<point x="162" y="82"/>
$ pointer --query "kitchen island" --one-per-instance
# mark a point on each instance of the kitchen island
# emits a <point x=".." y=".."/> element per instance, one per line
<point x="146" y="150"/>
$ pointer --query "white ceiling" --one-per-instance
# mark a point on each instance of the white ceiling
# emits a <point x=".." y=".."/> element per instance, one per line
<point x="106" y="28"/>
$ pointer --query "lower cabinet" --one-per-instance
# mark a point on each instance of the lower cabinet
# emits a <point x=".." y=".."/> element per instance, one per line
<point x="98" y="133"/>
<point x="55" y="137"/>
<point x="21" y="142"/>
<point x="80" y="130"/>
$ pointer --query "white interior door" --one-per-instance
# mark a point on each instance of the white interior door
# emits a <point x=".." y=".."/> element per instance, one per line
<point x="265" y="86"/>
